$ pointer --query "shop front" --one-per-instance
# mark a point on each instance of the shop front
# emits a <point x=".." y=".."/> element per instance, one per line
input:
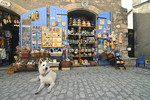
<point x="9" y="35"/>
<point x="68" y="36"/>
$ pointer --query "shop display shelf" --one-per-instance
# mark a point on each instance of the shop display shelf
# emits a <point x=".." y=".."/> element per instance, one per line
<point x="86" y="56"/>
<point x="87" y="43"/>
<point x="86" y="51"/>
<point x="73" y="34"/>
<point x="88" y="35"/>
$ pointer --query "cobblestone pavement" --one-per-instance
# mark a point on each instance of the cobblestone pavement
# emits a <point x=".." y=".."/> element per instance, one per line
<point x="80" y="83"/>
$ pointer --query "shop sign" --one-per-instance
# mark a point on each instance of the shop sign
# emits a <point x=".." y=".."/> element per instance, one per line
<point x="5" y="3"/>
<point x="26" y="22"/>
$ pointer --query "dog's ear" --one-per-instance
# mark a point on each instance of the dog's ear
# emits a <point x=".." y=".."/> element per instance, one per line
<point x="40" y="61"/>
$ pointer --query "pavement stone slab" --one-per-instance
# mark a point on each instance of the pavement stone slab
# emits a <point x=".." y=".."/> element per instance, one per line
<point x="80" y="83"/>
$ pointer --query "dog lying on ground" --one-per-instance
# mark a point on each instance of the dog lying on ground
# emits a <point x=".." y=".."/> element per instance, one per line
<point x="46" y="76"/>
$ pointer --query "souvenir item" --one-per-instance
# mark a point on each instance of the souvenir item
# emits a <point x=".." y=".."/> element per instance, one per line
<point x="79" y="22"/>
<point x="88" y="23"/>
<point x="112" y="45"/>
<point x="102" y="22"/>
<point x="99" y="34"/>
<point x="56" y="23"/>
<point x="99" y="46"/>
<point x="53" y="24"/>
<point x="104" y="35"/>
<point x="108" y="44"/>
<point x="108" y="27"/>
<point x="100" y="27"/>
<point x="110" y="35"/>
<point x="30" y="17"/>
<point x="70" y="21"/>
<point x="105" y="45"/>
<point x="27" y="17"/>
<point x="100" y="51"/>
<point x="108" y="22"/>
<point x="92" y="23"/>
<point x="59" y="20"/>
<point x="120" y="37"/>
<point x="83" y="23"/>
<point x="63" y="24"/>
<point x="74" y="22"/>
<point x="4" y="21"/>
<point x="37" y="15"/>
<point x="33" y="16"/>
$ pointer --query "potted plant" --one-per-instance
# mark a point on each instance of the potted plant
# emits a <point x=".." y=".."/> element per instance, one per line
<point x="129" y="47"/>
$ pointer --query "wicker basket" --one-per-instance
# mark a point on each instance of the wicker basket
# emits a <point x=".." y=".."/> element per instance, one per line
<point x="35" y="54"/>
<point x="30" y="66"/>
<point x="46" y="54"/>
<point x="23" y="54"/>
<point x="65" y="64"/>
<point x="93" y="63"/>
<point x="103" y="56"/>
<point x="21" y="67"/>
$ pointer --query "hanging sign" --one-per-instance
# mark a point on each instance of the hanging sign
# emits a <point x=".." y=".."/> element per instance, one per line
<point x="26" y="22"/>
<point x="5" y="3"/>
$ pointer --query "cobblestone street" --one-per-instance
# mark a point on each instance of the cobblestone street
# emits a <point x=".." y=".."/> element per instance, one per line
<point x="83" y="83"/>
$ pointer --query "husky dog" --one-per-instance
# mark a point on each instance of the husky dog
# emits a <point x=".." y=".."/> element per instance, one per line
<point x="46" y="76"/>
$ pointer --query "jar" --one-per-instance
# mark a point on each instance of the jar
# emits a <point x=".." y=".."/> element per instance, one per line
<point x="83" y="23"/>
<point x="79" y="22"/>
<point x="74" y="22"/>
<point x="88" y="23"/>
<point x="70" y="22"/>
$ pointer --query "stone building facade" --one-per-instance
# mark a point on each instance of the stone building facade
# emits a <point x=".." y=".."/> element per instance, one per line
<point x="119" y="14"/>
<point x="141" y="15"/>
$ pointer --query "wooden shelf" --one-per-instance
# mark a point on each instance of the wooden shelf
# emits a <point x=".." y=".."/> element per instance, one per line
<point x="86" y="51"/>
<point x="73" y="34"/>
<point x="81" y="26"/>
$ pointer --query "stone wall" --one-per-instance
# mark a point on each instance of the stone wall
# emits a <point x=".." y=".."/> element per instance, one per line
<point x="119" y="14"/>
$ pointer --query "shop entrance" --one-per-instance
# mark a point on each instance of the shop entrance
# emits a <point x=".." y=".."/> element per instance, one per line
<point x="9" y="35"/>
<point x="81" y="36"/>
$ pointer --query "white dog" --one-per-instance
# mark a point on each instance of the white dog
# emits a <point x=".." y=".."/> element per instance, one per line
<point x="46" y="76"/>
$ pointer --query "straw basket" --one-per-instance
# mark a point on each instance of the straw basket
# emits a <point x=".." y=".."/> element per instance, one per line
<point x="23" y="54"/>
<point x="30" y="66"/>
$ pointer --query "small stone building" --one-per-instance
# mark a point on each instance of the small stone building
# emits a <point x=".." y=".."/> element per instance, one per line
<point x="141" y="16"/>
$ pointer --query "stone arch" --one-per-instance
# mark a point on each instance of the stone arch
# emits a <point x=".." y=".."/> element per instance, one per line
<point x="77" y="6"/>
<point x="16" y="8"/>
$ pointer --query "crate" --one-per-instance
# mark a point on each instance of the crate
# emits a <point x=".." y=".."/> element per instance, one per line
<point x="65" y="64"/>
<point x="56" y="54"/>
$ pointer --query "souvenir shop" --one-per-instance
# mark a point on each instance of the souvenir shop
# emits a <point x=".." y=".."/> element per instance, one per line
<point x="9" y="35"/>
<point x="66" y="39"/>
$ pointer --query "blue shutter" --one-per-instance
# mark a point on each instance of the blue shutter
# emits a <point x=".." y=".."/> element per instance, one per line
<point x="58" y="13"/>
<point x="104" y="16"/>
<point x="42" y="21"/>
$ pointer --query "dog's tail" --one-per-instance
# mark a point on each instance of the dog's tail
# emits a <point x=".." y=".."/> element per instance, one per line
<point x="35" y="79"/>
